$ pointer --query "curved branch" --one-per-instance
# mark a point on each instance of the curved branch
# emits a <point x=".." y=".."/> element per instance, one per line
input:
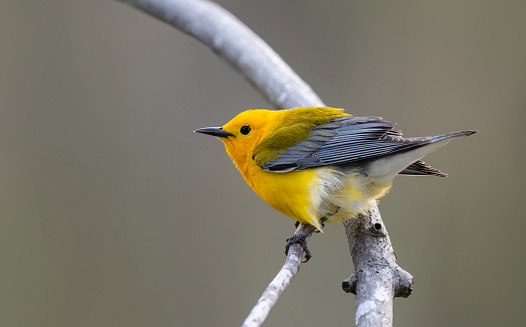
<point x="233" y="41"/>
<point x="377" y="278"/>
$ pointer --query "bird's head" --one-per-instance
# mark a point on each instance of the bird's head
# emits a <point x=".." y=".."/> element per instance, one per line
<point x="243" y="133"/>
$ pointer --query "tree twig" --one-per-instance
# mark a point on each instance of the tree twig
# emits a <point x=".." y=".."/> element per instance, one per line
<point x="273" y="291"/>
<point x="377" y="278"/>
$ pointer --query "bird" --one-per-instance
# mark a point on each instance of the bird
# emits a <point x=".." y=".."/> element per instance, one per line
<point x="320" y="164"/>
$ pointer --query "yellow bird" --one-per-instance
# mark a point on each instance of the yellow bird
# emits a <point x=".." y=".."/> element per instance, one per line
<point x="318" y="163"/>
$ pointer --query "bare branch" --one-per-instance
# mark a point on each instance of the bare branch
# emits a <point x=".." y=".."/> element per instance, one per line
<point x="377" y="278"/>
<point x="232" y="40"/>
<point x="273" y="291"/>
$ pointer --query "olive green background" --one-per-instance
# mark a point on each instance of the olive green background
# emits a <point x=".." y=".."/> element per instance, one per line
<point x="113" y="213"/>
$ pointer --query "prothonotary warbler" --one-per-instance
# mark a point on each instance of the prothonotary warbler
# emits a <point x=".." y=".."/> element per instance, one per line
<point x="316" y="162"/>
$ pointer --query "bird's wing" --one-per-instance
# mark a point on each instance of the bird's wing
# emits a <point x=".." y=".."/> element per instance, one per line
<point x="342" y="141"/>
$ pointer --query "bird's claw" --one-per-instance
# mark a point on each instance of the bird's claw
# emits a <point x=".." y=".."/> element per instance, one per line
<point x="300" y="239"/>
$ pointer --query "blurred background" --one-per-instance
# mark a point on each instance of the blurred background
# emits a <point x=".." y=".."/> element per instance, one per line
<point x="113" y="213"/>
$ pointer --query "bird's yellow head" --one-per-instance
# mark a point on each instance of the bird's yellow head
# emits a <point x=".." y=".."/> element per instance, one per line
<point x="243" y="133"/>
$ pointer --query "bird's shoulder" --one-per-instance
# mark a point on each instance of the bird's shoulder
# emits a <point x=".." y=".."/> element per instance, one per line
<point x="292" y="127"/>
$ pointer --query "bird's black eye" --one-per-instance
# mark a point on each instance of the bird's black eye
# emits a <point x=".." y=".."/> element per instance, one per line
<point x="245" y="130"/>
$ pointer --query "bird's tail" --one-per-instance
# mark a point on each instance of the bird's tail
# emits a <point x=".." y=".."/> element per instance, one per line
<point x="439" y="138"/>
<point x="384" y="169"/>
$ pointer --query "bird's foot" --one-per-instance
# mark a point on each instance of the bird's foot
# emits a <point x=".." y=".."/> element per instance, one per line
<point x="300" y="239"/>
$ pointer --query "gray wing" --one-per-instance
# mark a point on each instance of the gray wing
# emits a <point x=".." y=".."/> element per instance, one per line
<point x="344" y="141"/>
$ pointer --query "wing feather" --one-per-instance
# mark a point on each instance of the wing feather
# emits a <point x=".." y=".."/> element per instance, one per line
<point x="344" y="141"/>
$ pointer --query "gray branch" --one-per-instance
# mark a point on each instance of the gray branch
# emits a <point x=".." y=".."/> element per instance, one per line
<point x="273" y="291"/>
<point x="377" y="278"/>
<point x="233" y="41"/>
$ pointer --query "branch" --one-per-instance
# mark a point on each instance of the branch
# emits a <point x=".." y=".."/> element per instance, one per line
<point x="273" y="291"/>
<point x="233" y="41"/>
<point x="377" y="278"/>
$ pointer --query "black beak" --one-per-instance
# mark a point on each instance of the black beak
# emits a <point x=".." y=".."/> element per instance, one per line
<point x="214" y="131"/>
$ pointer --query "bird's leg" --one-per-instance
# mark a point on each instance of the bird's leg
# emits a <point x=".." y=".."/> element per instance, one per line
<point x="301" y="239"/>
<point x="323" y="220"/>
<point x="327" y="217"/>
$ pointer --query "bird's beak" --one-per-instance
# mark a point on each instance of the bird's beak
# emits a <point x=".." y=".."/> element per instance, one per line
<point x="214" y="131"/>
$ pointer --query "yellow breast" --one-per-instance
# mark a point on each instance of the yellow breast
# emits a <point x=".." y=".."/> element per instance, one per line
<point x="289" y="193"/>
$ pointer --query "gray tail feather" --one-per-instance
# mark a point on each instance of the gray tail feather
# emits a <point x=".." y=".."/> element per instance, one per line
<point x="454" y="134"/>
<point x="420" y="168"/>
